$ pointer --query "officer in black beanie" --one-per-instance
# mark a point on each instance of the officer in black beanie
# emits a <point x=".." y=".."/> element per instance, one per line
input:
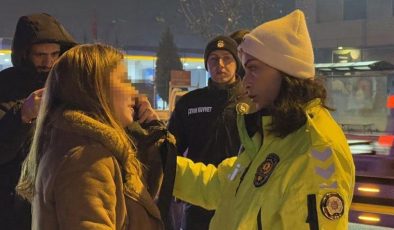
<point x="222" y="43"/>
<point x="204" y="120"/>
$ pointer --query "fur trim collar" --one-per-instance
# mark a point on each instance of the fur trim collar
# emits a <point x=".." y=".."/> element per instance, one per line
<point x="125" y="153"/>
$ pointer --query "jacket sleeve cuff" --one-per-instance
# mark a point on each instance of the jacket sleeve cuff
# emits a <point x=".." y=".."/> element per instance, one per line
<point x="154" y="123"/>
<point x="11" y="123"/>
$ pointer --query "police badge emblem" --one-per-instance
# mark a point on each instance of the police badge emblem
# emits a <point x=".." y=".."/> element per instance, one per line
<point x="242" y="108"/>
<point x="265" y="170"/>
<point x="332" y="206"/>
<point x="220" y="44"/>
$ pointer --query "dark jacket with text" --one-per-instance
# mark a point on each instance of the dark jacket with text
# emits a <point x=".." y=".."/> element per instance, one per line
<point x="204" y="123"/>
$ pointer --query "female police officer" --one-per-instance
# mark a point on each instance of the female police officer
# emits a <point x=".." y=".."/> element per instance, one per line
<point x="296" y="170"/>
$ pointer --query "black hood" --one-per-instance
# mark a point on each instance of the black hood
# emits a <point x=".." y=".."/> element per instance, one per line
<point x="37" y="28"/>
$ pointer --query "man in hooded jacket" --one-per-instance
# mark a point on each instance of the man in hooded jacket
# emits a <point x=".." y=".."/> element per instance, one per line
<point x="38" y="41"/>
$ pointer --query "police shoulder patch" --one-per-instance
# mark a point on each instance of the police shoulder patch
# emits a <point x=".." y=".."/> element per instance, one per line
<point x="265" y="170"/>
<point x="332" y="206"/>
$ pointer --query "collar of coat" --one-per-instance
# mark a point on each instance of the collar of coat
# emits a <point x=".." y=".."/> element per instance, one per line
<point x="125" y="154"/>
<point x="234" y="92"/>
<point x="230" y="87"/>
<point x="253" y="144"/>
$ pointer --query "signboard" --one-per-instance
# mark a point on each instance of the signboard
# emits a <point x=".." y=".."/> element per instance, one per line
<point x="180" y="78"/>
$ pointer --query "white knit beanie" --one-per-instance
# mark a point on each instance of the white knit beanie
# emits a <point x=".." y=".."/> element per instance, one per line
<point x="283" y="44"/>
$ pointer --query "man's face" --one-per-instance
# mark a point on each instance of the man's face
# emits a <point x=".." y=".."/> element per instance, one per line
<point x="44" y="55"/>
<point x="222" y="66"/>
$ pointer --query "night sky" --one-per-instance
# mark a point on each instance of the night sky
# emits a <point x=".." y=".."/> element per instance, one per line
<point x="127" y="22"/>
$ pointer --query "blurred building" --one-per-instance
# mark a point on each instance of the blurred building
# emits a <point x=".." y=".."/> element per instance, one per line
<point x="141" y="70"/>
<point x="362" y="30"/>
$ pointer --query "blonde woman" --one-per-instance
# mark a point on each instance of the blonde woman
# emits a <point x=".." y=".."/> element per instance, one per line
<point x="82" y="171"/>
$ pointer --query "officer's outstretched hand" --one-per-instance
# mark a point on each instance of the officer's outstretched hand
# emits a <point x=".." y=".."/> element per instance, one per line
<point x="31" y="106"/>
<point x="145" y="112"/>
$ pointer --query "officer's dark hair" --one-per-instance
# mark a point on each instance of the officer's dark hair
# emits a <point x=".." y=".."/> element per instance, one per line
<point x="288" y="111"/>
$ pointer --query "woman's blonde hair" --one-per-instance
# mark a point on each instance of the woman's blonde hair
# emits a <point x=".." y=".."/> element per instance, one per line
<point x="79" y="80"/>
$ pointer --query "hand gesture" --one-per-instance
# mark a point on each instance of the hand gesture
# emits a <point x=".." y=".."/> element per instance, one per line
<point x="31" y="106"/>
<point x="145" y="112"/>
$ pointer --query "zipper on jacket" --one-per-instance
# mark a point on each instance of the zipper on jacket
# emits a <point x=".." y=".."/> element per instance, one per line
<point x="242" y="177"/>
<point x="259" y="224"/>
<point x="312" y="213"/>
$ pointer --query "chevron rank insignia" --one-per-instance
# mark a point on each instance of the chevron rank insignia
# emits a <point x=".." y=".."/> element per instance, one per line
<point x="265" y="170"/>
<point x="332" y="206"/>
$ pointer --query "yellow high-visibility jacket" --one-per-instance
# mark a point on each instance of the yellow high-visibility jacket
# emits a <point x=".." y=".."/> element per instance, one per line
<point x="302" y="181"/>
